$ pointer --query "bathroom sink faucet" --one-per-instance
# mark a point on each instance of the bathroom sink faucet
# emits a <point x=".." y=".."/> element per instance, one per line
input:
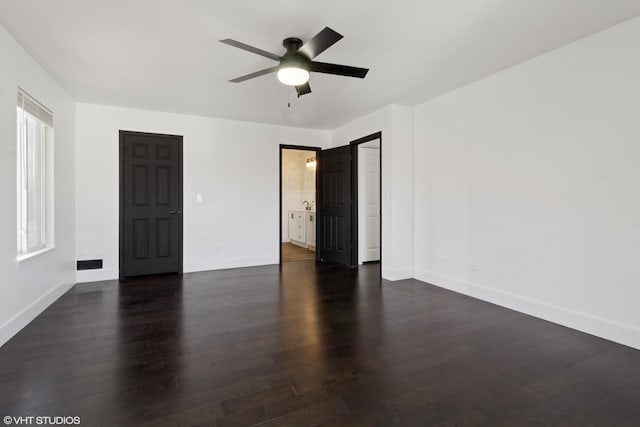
<point x="308" y="207"/>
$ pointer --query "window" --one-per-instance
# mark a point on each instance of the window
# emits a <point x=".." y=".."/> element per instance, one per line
<point x="35" y="176"/>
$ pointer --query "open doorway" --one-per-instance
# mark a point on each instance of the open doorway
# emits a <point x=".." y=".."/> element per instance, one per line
<point x="298" y="195"/>
<point x="367" y="224"/>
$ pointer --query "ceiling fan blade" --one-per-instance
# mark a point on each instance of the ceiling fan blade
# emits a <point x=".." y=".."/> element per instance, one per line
<point x="303" y="89"/>
<point x="253" y="75"/>
<point x="251" y="49"/>
<point x="341" y="70"/>
<point x="320" y="42"/>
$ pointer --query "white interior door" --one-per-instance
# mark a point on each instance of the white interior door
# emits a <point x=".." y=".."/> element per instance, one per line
<point x="369" y="202"/>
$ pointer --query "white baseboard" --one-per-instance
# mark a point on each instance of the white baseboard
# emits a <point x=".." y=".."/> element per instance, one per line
<point x="604" y="328"/>
<point x="394" y="274"/>
<point x="97" y="275"/>
<point x="229" y="263"/>
<point x="23" y="318"/>
<point x="84" y="276"/>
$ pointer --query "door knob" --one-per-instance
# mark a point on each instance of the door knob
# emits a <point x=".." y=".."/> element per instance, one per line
<point x="174" y="213"/>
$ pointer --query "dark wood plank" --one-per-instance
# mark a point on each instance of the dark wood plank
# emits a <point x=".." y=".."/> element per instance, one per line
<point x="308" y="344"/>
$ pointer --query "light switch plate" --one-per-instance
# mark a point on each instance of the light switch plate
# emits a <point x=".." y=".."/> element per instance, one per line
<point x="199" y="197"/>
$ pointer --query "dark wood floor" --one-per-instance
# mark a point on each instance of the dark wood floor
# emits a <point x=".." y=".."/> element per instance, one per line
<point x="305" y="346"/>
<point x="292" y="253"/>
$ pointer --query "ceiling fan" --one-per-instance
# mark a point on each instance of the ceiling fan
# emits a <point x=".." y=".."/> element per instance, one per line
<point x="296" y="64"/>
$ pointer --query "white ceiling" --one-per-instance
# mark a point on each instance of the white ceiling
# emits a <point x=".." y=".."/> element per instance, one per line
<point x="164" y="54"/>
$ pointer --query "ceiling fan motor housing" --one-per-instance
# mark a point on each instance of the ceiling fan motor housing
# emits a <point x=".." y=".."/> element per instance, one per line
<point x="292" y="44"/>
<point x="293" y="58"/>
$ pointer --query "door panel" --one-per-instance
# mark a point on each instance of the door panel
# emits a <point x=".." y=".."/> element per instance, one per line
<point x="373" y="239"/>
<point x="140" y="238"/>
<point x="140" y="184"/>
<point x="163" y="185"/>
<point x="334" y="210"/>
<point x="368" y="204"/>
<point x="163" y="238"/>
<point x="151" y="204"/>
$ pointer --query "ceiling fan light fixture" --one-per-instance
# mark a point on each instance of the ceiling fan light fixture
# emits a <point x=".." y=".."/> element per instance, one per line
<point x="293" y="76"/>
<point x="297" y="62"/>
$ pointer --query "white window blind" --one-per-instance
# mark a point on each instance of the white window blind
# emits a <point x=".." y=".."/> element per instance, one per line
<point x="35" y="175"/>
<point x="31" y="106"/>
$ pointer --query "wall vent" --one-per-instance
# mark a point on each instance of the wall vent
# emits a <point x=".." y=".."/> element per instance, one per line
<point x="89" y="264"/>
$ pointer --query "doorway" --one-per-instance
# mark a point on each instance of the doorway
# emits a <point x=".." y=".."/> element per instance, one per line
<point x="348" y="227"/>
<point x="298" y="190"/>
<point x="350" y="202"/>
<point x="367" y="189"/>
<point x="150" y="204"/>
<point x="368" y="201"/>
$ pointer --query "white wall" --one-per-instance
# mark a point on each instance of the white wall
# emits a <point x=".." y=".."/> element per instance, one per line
<point x="27" y="289"/>
<point x="396" y="124"/>
<point x="234" y="165"/>
<point x="527" y="187"/>
<point x="298" y="185"/>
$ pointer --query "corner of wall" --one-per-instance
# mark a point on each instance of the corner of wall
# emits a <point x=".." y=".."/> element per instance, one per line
<point x="21" y="319"/>
<point x="402" y="195"/>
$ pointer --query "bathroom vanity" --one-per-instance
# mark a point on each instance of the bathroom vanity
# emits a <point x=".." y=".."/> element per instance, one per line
<point x="302" y="229"/>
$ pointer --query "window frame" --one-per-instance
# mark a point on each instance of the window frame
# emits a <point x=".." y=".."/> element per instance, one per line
<point x="29" y="109"/>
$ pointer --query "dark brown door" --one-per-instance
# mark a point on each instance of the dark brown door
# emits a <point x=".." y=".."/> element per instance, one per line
<point x="334" y="208"/>
<point x="150" y="204"/>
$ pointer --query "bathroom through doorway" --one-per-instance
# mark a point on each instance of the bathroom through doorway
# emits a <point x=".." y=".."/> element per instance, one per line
<point x="298" y="197"/>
